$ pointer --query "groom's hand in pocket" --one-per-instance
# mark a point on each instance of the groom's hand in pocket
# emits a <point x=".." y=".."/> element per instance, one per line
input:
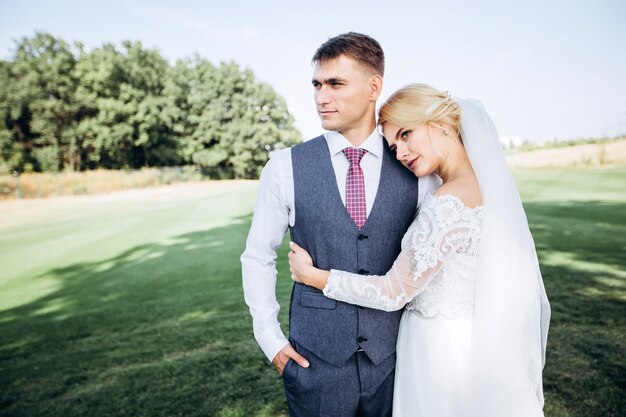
<point x="284" y="355"/>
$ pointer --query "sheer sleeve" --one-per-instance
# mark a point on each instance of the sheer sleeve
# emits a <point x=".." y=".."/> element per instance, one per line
<point x="440" y="229"/>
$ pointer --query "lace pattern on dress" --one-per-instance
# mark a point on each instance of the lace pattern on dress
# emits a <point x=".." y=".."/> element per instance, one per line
<point x="450" y="235"/>
<point x="343" y="286"/>
<point x="436" y="271"/>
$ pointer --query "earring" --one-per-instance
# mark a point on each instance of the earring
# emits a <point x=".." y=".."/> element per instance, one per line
<point x="445" y="132"/>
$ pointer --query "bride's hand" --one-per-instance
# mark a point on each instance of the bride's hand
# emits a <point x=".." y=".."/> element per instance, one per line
<point x="300" y="263"/>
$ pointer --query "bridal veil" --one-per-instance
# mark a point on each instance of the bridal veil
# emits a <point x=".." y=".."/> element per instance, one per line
<point x="512" y="312"/>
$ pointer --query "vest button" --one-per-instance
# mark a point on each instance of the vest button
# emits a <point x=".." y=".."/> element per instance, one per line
<point x="363" y="271"/>
<point x="361" y="339"/>
<point x="361" y="237"/>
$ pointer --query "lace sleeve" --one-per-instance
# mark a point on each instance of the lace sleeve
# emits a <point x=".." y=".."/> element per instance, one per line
<point x="442" y="228"/>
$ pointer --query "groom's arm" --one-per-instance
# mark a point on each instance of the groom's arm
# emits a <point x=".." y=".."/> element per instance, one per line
<point x="269" y="224"/>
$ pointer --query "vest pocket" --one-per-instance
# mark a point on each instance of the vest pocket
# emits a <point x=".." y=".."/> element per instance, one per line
<point x="317" y="300"/>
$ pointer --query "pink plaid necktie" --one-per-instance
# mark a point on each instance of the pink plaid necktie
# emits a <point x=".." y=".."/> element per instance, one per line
<point x="355" y="187"/>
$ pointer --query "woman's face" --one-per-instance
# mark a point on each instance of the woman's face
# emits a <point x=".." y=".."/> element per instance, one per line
<point x="420" y="148"/>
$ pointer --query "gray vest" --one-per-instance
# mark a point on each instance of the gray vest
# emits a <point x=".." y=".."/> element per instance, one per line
<point x="335" y="330"/>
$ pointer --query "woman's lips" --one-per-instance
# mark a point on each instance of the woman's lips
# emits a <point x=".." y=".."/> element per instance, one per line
<point x="412" y="162"/>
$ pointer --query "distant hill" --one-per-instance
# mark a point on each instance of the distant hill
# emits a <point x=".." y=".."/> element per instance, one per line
<point x="589" y="154"/>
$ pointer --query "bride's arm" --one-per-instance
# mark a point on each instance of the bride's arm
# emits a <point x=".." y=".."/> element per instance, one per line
<point x="302" y="269"/>
<point x="434" y="238"/>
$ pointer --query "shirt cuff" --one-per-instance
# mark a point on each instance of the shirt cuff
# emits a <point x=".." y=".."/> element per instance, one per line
<point x="271" y="341"/>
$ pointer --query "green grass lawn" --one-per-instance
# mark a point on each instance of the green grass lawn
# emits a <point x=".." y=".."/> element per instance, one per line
<point x="134" y="307"/>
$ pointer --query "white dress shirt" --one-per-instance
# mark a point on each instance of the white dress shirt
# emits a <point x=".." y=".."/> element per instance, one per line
<point x="275" y="212"/>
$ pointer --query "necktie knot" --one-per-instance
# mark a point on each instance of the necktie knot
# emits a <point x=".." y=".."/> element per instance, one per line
<point x="354" y="155"/>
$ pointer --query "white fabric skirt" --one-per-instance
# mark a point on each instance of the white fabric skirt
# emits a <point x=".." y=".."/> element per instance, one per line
<point x="432" y="365"/>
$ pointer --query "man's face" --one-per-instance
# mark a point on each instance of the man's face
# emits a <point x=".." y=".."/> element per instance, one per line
<point x="343" y="94"/>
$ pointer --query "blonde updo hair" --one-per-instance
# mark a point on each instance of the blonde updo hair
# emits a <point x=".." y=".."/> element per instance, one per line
<point x="417" y="104"/>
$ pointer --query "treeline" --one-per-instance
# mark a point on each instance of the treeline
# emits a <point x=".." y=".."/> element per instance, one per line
<point x="65" y="109"/>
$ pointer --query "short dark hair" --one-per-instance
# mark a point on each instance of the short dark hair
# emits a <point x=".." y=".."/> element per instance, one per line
<point x="364" y="49"/>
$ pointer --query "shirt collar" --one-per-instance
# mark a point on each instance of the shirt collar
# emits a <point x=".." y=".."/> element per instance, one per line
<point x="337" y="143"/>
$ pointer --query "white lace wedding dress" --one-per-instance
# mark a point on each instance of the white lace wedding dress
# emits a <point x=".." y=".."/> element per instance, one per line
<point x="435" y="276"/>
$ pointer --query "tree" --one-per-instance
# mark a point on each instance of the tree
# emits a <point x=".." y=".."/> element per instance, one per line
<point x="127" y="128"/>
<point x="228" y="121"/>
<point x="64" y="108"/>
<point x="10" y="153"/>
<point x="38" y="103"/>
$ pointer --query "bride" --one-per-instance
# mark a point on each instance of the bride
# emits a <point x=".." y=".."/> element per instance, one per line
<point x="473" y="334"/>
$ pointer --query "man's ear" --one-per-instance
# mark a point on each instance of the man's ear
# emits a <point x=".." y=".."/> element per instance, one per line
<point x="376" y="87"/>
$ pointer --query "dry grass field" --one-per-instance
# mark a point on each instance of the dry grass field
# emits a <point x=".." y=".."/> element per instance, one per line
<point x="610" y="153"/>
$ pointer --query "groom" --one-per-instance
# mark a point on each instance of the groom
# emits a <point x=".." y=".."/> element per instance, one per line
<point x="348" y="202"/>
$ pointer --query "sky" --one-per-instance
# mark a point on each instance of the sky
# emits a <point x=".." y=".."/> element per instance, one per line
<point x="544" y="70"/>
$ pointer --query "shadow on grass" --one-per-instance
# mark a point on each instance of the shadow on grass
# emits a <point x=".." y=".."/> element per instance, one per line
<point x="161" y="329"/>
<point x="581" y="247"/>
